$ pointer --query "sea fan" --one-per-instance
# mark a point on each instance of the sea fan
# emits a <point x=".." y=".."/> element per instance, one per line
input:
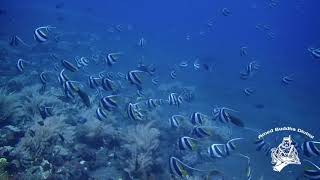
<point x="144" y="137"/>
<point x="9" y="106"/>
<point x="39" y="141"/>
<point x="31" y="99"/>
<point x="142" y="140"/>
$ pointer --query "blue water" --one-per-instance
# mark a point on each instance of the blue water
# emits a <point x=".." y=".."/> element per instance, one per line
<point x="174" y="31"/>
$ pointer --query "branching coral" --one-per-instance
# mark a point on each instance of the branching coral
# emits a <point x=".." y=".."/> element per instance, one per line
<point x="94" y="132"/>
<point x="143" y="137"/>
<point x="9" y="106"/>
<point x="31" y="99"/>
<point x="40" y="141"/>
<point x="138" y="164"/>
<point x="142" y="142"/>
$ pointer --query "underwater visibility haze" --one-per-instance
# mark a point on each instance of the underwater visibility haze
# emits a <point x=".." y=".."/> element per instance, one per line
<point x="157" y="90"/>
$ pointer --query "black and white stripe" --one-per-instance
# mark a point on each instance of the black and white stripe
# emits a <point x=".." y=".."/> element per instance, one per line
<point x="43" y="78"/>
<point x="62" y="78"/>
<point x="287" y="79"/>
<point x="221" y="114"/>
<point x="311" y="148"/>
<point x="134" y="78"/>
<point x="201" y="132"/>
<point x="198" y="118"/>
<point x="133" y="113"/>
<point x="94" y="82"/>
<point x="20" y="65"/>
<point x="109" y="102"/>
<point x="39" y="35"/>
<point x="216" y="150"/>
<point x="108" y="84"/>
<point x="101" y="114"/>
<point x="175" y="120"/>
<point x="187" y="143"/>
<point x="173" y="74"/>
<point x="68" y="65"/>
<point x="111" y="59"/>
<point x="177" y="168"/>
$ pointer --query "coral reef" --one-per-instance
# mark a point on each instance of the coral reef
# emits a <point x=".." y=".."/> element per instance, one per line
<point x="41" y="141"/>
<point x="9" y="106"/>
<point x="31" y="99"/>
<point x="142" y="142"/>
<point x="3" y="173"/>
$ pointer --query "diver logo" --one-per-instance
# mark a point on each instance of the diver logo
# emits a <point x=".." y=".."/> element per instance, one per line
<point x="284" y="154"/>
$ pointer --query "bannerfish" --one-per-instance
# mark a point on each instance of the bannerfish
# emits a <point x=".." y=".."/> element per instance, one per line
<point x="40" y="35"/>
<point x="21" y="65"/>
<point x="68" y="65"/>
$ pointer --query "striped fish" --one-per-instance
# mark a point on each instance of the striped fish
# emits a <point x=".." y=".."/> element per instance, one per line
<point x="110" y="102"/>
<point x="248" y="91"/>
<point x="112" y="58"/>
<point x="224" y="117"/>
<point x="312" y="173"/>
<point x="101" y="114"/>
<point x="62" y="78"/>
<point x="180" y="100"/>
<point x="16" y="40"/>
<point x="133" y="113"/>
<point x="135" y="77"/>
<point x="21" y="65"/>
<point x="142" y="42"/>
<point x="248" y="167"/>
<point x="108" y="84"/>
<point x="43" y="78"/>
<point x="81" y="62"/>
<point x="183" y="64"/>
<point x="196" y="64"/>
<point x="310" y="148"/>
<point x="152" y="103"/>
<point x="174" y="99"/>
<point x="287" y="79"/>
<point x="176" y="120"/>
<point x="226" y="12"/>
<point x="40" y="33"/>
<point x="243" y="51"/>
<point x="250" y="68"/>
<point x="120" y="75"/>
<point x="187" y="143"/>
<point x="94" y="82"/>
<point x="155" y="81"/>
<point x="230" y="146"/>
<point x="177" y="168"/>
<point x="201" y="131"/>
<point x="315" y="53"/>
<point x="222" y="150"/>
<point x="221" y="114"/>
<point x="198" y="118"/>
<point x="173" y="74"/>
<point x="216" y="150"/>
<point x="70" y="88"/>
<point x="68" y="65"/>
